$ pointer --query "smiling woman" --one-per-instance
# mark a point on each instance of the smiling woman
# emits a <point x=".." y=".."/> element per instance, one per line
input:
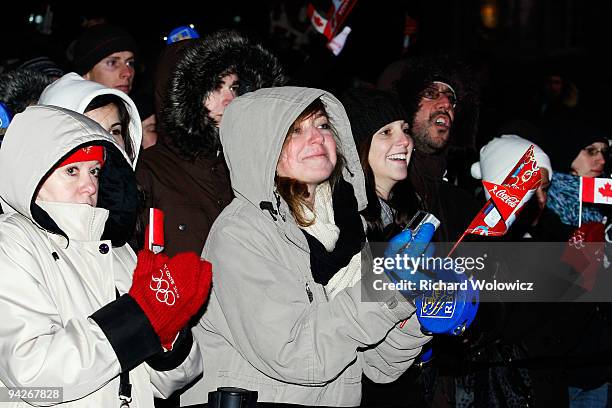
<point x="308" y="158"/>
<point x="385" y="146"/>
<point x="287" y="317"/>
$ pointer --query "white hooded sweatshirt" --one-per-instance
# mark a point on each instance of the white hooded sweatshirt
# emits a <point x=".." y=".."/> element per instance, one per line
<point x="75" y="93"/>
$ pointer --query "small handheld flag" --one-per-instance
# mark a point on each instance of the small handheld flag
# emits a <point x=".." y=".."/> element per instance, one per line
<point x="154" y="234"/>
<point x="330" y="26"/>
<point x="594" y="190"/>
<point x="507" y="199"/>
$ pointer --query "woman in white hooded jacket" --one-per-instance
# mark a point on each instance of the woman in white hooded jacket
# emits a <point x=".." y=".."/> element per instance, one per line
<point x="79" y="311"/>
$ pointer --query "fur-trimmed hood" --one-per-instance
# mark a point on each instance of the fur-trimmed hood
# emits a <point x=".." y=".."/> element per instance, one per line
<point x="184" y="119"/>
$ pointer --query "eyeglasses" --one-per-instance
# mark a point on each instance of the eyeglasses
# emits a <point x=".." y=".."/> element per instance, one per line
<point x="593" y="151"/>
<point x="432" y="93"/>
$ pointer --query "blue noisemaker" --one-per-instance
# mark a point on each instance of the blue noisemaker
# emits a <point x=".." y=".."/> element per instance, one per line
<point x="449" y="312"/>
<point x="182" y="33"/>
<point x="5" y="116"/>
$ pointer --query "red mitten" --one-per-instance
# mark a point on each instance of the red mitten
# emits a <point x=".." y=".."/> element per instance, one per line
<point x="584" y="252"/>
<point x="170" y="291"/>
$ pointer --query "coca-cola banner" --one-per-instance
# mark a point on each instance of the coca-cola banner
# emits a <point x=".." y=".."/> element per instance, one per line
<point x="508" y="198"/>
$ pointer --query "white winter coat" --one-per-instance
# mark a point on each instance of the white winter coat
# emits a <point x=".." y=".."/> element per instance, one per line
<point x="56" y="272"/>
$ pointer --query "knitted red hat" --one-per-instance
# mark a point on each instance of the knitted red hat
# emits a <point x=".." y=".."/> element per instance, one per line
<point x="88" y="153"/>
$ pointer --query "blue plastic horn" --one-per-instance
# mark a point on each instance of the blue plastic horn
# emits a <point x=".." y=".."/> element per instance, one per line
<point x="182" y="33"/>
<point x="5" y="116"/>
<point x="448" y="311"/>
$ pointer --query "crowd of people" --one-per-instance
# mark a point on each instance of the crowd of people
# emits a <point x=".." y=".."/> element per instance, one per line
<point x="270" y="189"/>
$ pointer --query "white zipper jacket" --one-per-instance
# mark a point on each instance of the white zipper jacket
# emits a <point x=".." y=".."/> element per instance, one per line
<point x="61" y="325"/>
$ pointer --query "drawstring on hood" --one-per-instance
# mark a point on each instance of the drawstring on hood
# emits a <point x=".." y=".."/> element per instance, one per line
<point x="267" y="206"/>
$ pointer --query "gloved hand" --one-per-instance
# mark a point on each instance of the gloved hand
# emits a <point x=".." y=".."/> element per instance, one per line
<point x="450" y="310"/>
<point x="409" y="248"/>
<point x="439" y="312"/>
<point x="170" y="291"/>
<point x="585" y="251"/>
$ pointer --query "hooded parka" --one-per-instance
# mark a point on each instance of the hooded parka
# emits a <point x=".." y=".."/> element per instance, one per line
<point x="184" y="174"/>
<point x="272" y="328"/>
<point x="62" y="265"/>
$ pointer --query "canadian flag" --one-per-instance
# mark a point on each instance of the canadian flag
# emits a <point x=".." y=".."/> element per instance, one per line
<point x="596" y="190"/>
<point x="319" y="22"/>
<point x="330" y="25"/>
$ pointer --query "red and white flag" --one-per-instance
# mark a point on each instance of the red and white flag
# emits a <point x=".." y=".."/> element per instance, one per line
<point x="319" y="22"/>
<point x="596" y="190"/>
<point x="337" y="15"/>
<point x="507" y="199"/>
<point x="330" y="25"/>
<point x="154" y="236"/>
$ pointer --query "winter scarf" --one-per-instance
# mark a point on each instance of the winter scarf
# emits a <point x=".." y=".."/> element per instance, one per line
<point x="335" y="238"/>
<point x="563" y="197"/>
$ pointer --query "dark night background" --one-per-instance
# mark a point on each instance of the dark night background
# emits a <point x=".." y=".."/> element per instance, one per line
<point x="510" y="53"/>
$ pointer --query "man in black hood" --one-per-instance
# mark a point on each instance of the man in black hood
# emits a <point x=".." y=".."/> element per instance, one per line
<point x="185" y="174"/>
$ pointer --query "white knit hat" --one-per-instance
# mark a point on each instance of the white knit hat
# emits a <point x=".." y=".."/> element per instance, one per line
<point x="500" y="155"/>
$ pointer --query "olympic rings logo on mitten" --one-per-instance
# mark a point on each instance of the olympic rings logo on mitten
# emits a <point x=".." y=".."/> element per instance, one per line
<point x="577" y="240"/>
<point x="161" y="287"/>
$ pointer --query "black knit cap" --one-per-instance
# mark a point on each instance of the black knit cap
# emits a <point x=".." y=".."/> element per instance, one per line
<point x="97" y="43"/>
<point x="369" y="110"/>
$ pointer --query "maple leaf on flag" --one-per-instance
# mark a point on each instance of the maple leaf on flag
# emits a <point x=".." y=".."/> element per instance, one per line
<point x="606" y="190"/>
<point x="595" y="190"/>
<point x="319" y="22"/>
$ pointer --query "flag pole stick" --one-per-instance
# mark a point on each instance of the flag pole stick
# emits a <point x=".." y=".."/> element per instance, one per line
<point x="456" y="244"/>
<point x="580" y="204"/>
